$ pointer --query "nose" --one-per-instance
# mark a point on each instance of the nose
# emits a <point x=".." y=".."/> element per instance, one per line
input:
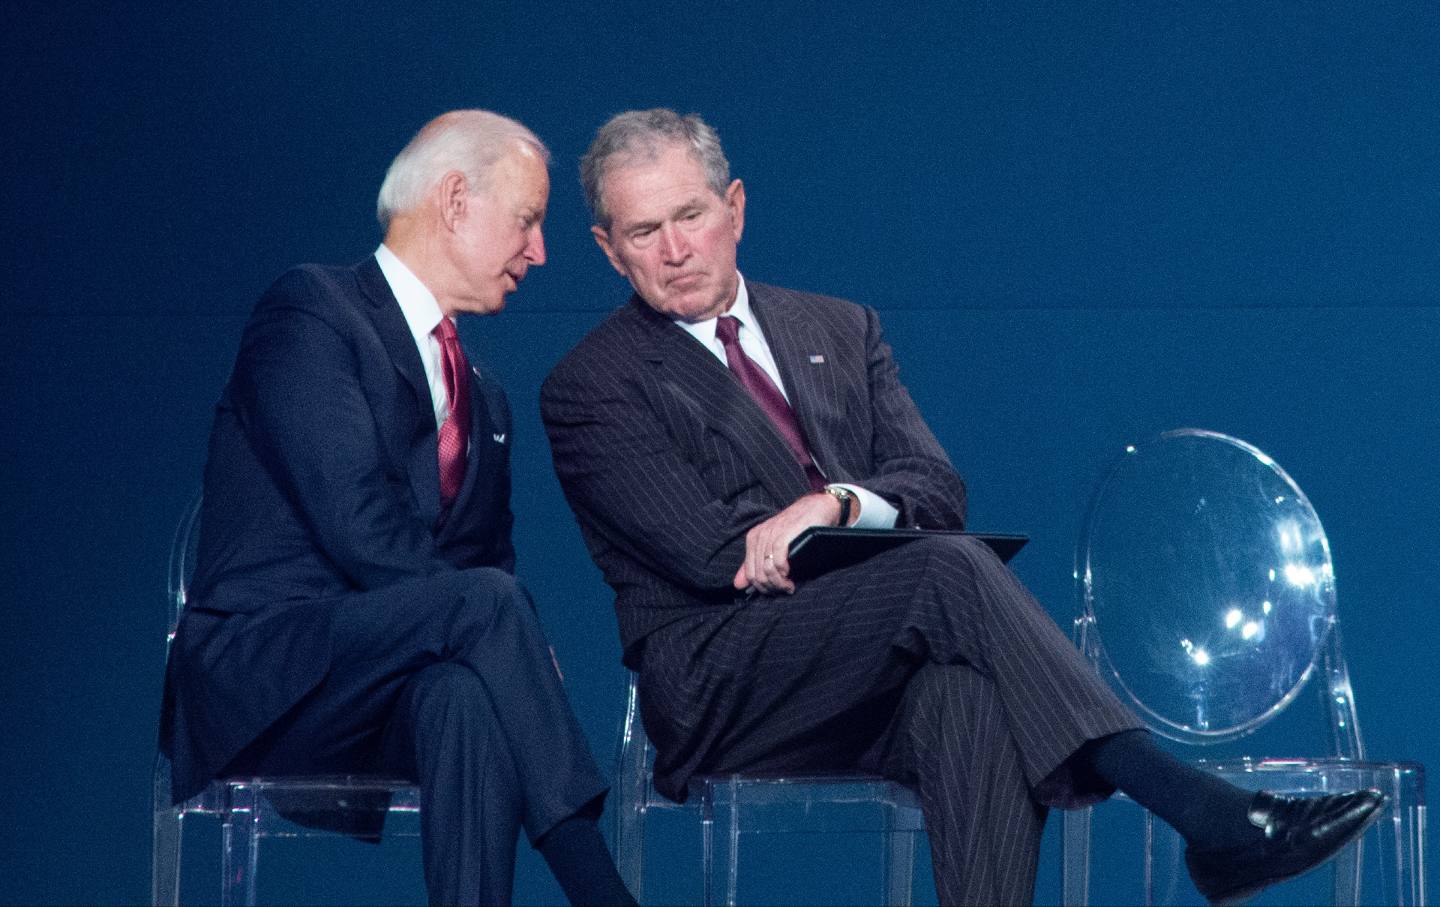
<point x="672" y="244"/>
<point x="535" y="247"/>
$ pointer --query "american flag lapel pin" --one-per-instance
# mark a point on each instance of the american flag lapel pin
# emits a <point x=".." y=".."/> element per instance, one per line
<point x="817" y="359"/>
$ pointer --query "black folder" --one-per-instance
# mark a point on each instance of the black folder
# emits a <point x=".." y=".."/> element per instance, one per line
<point x="820" y="549"/>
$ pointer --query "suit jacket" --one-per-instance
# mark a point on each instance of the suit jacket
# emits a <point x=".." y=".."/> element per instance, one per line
<point x="322" y="481"/>
<point x="667" y="461"/>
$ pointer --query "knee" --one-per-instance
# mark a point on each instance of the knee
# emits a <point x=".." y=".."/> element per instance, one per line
<point x="956" y="556"/>
<point x="487" y="582"/>
<point x="966" y="548"/>
<point x="486" y="593"/>
<point x="446" y="690"/>
<point x="492" y="604"/>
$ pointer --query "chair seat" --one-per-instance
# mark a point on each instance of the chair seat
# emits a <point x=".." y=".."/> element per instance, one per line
<point x="300" y="806"/>
<point x="222" y="795"/>
<point x="251" y="809"/>
<point x="731" y="807"/>
<point x="812" y="803"/>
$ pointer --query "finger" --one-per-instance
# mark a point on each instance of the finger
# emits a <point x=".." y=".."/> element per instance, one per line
<point x="753" y="556"/>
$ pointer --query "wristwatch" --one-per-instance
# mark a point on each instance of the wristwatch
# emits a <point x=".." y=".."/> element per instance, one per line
<point x="846" y="499"/>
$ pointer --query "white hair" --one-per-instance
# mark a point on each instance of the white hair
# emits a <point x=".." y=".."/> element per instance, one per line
<point x="470" y="141"/>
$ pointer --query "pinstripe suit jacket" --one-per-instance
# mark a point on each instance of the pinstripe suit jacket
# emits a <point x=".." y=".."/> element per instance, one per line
<point x="667" y="461"/>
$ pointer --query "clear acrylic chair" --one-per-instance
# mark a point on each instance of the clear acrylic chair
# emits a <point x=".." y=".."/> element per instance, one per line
<point x="250" y="808"/>
<point x="732" y="808"/>
<point x="1207" y="600"/>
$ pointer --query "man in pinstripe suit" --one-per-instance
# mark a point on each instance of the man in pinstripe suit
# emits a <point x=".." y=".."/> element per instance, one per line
<point x="690" y="473"/>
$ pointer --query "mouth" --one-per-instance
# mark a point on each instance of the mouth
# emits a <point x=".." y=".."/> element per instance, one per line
<point x="686" y="281"/>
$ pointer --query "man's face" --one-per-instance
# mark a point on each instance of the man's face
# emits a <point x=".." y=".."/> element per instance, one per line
<point x="497" y="234"/>
<point x="671" y="236"/>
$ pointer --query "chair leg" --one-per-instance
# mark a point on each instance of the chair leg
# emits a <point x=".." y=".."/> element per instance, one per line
<point x="707" y="848"/>
<point x="630" y="847"/>
<point x="1347" y="874"/>
<point x="239" y="849"/>
<point x="732" y="855"/>
<point x="1147" y="869"/>
<point x="1075" y="864"/>
<point x="167" y="834"/>
<point x="899" y="864"/>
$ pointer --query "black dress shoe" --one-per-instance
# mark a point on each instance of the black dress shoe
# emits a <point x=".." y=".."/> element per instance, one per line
<point x="1300" y="834"/>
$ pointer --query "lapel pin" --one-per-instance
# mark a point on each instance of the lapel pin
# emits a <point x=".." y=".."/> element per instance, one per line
<point x="817" y="359"/>
<point x="500" y="438"/>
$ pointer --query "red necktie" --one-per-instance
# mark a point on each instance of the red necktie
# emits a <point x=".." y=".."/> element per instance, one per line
<point x="456" y="430"/>
<point x="758" y="383"/>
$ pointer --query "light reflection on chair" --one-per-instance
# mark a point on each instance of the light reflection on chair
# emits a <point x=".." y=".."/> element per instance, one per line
<point x="1207" y="599"/>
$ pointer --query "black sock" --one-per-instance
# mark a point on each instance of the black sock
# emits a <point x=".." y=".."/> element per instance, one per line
<point x="1207" y="811"/>
<point x="576" y="854"/>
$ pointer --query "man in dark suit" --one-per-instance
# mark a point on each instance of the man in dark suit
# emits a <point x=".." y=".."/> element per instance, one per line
<point x="354" y="608"/>
<point x="702" y="426"/>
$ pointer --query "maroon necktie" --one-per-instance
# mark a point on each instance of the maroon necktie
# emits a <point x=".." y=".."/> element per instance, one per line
<point x="758" y="383"/>
<point x="456" y="430"/>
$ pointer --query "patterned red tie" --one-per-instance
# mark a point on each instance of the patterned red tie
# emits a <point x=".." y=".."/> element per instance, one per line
<point x="456" y="431"/>
<point x="758" y="383"/>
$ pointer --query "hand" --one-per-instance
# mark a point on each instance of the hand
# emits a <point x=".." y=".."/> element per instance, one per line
<point x="766" y="567"/>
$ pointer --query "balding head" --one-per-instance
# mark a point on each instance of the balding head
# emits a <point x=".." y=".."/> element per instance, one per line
<point x="468" y="141"/>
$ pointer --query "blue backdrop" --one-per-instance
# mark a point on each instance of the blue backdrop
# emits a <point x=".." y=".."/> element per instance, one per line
<point x="1082" y="223"/>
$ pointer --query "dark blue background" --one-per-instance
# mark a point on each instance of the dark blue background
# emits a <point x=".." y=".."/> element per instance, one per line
<point x="1083" y="224"/>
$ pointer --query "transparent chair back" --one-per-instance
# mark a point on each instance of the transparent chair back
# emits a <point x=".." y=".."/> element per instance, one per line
<point x="246" y="806"/>
<point x="1207" y="599"/>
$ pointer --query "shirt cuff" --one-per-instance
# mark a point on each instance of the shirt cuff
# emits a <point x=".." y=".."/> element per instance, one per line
<point x="875" y="511"/>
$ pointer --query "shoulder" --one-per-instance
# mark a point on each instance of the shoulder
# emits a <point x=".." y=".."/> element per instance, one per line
<point x="312" y="286"/>
<point x="334" y="295"/>
<point x="618" y="340"/>
<point x="821" y="311"/>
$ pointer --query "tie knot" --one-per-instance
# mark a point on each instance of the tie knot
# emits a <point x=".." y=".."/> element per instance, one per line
<point x="727" y="328"/>
<point x="445" y="330"/>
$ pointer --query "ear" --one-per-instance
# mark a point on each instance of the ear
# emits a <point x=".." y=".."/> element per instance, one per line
<point x="602" y="239"/>
<point x="735" y="201"/>
<point x="453" y="195"/>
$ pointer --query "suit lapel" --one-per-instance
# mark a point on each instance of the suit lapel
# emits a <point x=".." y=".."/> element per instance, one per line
<point x="806" y="361"/>
<point x="399" y="343"/>
<point x="722" y="402"/>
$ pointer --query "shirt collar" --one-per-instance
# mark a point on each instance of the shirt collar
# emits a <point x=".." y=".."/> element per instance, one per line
<point x="422" y="312"/>
<point x="704" y="331"/>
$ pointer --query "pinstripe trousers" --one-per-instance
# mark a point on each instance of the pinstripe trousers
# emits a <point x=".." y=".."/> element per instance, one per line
<point x="929" y="663"/>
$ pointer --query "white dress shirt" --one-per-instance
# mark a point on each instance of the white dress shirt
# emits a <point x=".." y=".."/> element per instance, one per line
<point x="875" y="511"/>
<point x="422" y="314"/>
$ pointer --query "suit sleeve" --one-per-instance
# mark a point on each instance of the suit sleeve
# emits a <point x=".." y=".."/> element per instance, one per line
<point x="298" y="390"/>
<point x="626" y="480"/>
<point x="911" y="469"/>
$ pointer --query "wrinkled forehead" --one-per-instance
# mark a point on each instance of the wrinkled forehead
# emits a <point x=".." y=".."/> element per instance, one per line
<point x="656" y="189"/>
